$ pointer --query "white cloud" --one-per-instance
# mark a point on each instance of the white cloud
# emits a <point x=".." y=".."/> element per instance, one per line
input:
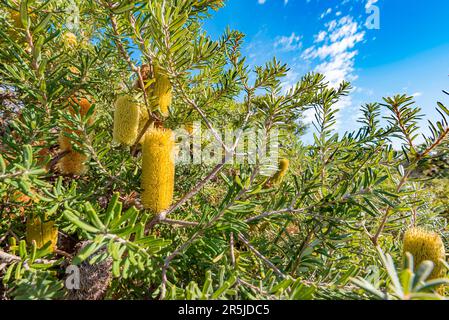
<point x="417" y="94"/>
<point x="336" y="56"/>
<point x="325" y="13"/>
<point x="290" y="43"/>
<point x="261" y="1"/>
<point x="309" y="116"/>
<point x="289" y="81"/>
<point x="320" y="36"/>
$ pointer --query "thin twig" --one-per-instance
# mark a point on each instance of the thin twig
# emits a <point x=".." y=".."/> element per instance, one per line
<point x="262" y="257"/>
<point x="8" y="258"/>
<point x="231" y="248"/>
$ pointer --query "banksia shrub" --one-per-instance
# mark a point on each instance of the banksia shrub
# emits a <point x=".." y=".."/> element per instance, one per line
<point x="126" y="120"/>
<point x="425" y="245"/>
<point x="158" y="169"/>
<point x="41" y="232"/>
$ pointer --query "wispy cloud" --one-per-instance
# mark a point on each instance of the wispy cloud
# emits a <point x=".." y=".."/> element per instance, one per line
<point x="325" y="13"/>
<point x="336" y="55"/>
<point x="320" y="36"/>
<point x="290" y="43"/>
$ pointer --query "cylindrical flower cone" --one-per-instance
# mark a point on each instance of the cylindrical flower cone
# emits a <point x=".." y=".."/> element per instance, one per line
<point x="42" y="232"/>
<point x="95" y="278"/>
<point x="161" y="91"/>
<point x="279" y="176"/>
<point x="69" y="40"/>
<point x="425" y="245"/>
<point x="82" y="104"/>
<point x="73" y="163"/>
<point x="126" y="120"/>
<point x="158" y="169"/>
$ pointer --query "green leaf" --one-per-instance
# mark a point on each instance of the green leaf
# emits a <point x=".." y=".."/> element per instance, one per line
<point x="93" y="217"/>
<point x="226" y="285"/>
<point x="22" y="249"/>
<point x="43" y="24"/>
<point x="111" y="208"/>
<point x="28" y="156"/>
<point x="72" y="217"/>
<point x="24" y="13"/>
<point x="87" y="251"/>
<point x="2" y="165"/>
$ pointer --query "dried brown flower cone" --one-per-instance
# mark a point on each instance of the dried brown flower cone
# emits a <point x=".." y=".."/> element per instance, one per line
<point x="94" y="279"/>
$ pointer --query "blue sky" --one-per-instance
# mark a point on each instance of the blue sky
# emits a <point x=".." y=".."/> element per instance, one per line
<point x="408" y="53"/>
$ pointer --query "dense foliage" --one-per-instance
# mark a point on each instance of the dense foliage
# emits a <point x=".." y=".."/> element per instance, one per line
<point x="329" y="224"/>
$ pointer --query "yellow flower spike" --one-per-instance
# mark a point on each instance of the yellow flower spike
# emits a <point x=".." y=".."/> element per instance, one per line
<point x="65" y="143"/>
<point x="162" y="91"/>
<point x="189" y="127"/>
<point x="41" y="232"/>
<point x="69" y="40"/>
<point x="73" y="163"/>
<point x="15" y="17"/>
<point x="425" y="245"/>
<point x="279" y="176"/>
<point x="82" y="104"/>
<point x="126" y="120"/>
<point x="158" y="169"/>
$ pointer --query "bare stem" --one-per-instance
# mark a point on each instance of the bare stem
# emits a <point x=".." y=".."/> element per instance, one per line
<point x="262" y="257"/>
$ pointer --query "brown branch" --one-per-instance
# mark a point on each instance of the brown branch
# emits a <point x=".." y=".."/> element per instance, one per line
<point x="375" y="238"/>
<point x="403" y="129"/>
<point x="8" y="258"/>
<point x="180" y="222"/>
<point x="56" y="159"/>
<point x="262" y="257"/>
<point x="435" y="144"/>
